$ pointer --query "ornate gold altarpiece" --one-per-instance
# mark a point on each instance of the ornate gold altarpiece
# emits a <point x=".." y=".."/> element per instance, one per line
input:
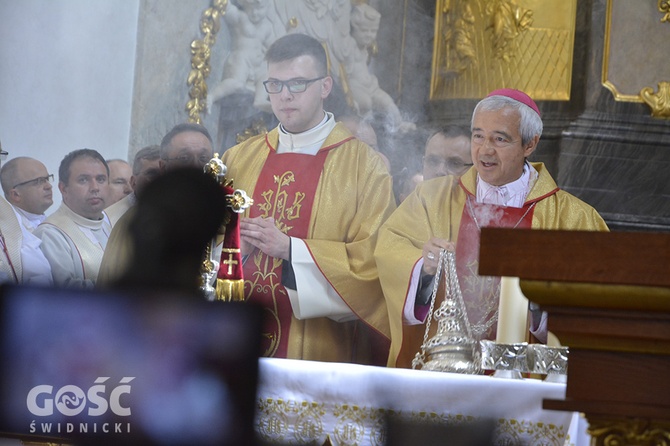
<point x="479" y="46"/>
<point x="482" y="45"/>
<point x="608" y="299"/>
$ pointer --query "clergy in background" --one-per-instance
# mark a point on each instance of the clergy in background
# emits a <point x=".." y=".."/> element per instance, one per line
<point x="185" y="145"/>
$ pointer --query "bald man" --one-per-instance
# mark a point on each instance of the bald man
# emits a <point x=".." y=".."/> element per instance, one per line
<point x="27" y="188"/>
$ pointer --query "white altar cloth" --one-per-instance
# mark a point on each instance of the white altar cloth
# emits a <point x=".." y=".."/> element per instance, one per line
<point x="302" y="402"/>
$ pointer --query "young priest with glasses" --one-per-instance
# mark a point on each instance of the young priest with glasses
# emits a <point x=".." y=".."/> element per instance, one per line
<point x="319" y="197"/>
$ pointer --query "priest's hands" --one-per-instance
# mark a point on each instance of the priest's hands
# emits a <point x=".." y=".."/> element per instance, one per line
<point x="431" y="253"/>
<point x="262" y="233"/>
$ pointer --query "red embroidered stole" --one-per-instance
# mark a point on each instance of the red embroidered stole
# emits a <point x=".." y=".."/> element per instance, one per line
<point x="285" y="191"/>
<point x="481" y="293"/>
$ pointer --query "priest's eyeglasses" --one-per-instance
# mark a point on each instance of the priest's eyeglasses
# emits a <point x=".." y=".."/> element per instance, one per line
<point x="274" y="86"/>
<point x="39" y="181"/>
<point x="190" y="159"/>
<point x="454" y="166"/>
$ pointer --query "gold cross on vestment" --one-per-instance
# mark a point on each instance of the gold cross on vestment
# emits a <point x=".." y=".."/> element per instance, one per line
<point x="230" y="261"/>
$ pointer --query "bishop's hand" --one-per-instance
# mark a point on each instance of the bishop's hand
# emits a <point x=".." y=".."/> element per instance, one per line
<point x="431" y="253"/>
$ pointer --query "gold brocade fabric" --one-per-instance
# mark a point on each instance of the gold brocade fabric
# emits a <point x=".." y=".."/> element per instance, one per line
<point x="284" y="421"/>
<point x="353" y="198"/>
<point x="311" y="402"/>
<point x="434" y="210"/>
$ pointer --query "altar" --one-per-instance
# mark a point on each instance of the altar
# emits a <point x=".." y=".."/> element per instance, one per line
<point x="307" y="402"/>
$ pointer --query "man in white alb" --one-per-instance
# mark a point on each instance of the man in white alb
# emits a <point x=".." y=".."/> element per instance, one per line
<point x="75" y="236"/>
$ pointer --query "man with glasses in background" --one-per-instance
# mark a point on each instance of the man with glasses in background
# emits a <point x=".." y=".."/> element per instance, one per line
<point x="185" y="145"/>
<point x="27" y="188"/>
<point x="447" y="152"/>
<point x="75" y="235"/>
<point x="319" y="197"/>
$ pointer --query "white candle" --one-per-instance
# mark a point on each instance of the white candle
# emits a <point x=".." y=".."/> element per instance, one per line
<point x="552" y="340"/>
<point x="512" y="312"/>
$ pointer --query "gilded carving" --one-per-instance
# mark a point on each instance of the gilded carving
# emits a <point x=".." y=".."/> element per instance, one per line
<point x="659" y="102"/>
<point x="664" y="8"/>
<point x="481" y="45"/>
<point x="630" y="63"/>
<point x="507" y="22"/>
<point x="210" y="24"/>
<point x="628" y="431"/>
<point x="458" y="35"/>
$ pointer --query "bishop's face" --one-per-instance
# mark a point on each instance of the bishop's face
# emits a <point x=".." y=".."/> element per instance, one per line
<point x="496" y="146"/>
<point x="299" y="112"/>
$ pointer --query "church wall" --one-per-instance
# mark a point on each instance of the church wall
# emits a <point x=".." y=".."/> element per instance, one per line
<point x="66" y="79"/>
<point x="615" y="154"/>
<point x="166" y="30"/>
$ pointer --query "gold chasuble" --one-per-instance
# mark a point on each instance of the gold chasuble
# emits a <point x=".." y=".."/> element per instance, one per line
<point x="446" y="208"/>
<point x="335" y="201"/>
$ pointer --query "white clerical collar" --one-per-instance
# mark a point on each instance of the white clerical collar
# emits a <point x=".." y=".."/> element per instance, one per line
<point x="30" y="220"/>
<point x="308" y="142"/>
<point x="511" y="194"/>
<point x="81" y="220"/>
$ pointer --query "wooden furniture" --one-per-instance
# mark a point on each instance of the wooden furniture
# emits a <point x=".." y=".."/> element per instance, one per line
<point x="608" y="299"/>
